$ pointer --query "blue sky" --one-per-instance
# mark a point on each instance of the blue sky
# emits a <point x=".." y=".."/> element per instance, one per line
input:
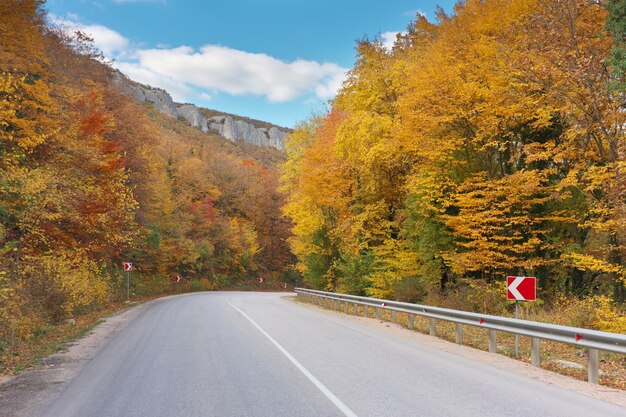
<point x="274" y="60"/>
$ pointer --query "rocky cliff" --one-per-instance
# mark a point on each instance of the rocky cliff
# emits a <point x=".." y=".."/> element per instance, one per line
<point x="229" y="126"/>
<point x="234" y="129"/>
<point x="192" y="114"/>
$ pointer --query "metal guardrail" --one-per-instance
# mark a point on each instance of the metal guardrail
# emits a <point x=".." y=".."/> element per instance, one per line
<point x="593" y="340"/>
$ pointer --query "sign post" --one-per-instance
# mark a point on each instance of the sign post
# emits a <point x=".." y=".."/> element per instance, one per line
<point x="128" y="266"/>
<point x="520" y="289"/>
<point x="516" y="336"/>
<point x="177" y="280"/>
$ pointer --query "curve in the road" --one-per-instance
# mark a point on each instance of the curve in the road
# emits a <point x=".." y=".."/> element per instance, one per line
<point x="262" y="354"/>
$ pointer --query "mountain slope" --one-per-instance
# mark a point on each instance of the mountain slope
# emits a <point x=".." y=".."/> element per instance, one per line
<point x="230" y="126"/>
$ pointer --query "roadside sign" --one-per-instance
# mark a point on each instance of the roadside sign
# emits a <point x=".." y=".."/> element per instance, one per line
<point x="521" y="288"/>
<point x="128" y="266"/>
<point x="259" y="280"/>
<point x="177" y="279"/>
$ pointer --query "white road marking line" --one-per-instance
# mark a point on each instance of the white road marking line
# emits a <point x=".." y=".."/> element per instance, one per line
<point x="332" y="397"/>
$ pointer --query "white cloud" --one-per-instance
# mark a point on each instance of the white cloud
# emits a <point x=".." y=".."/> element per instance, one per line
<point x="187" y="73"/>
<point x="107" y="40"/>
<point x="223" y="69"/>
<point x="389" y="38"/>
<point x="332" y="85"/>
<point x="179" y="91"/>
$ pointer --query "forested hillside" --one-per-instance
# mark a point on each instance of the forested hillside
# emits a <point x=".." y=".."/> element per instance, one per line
<point x="89" y="179"/>
<point x="486" y="144"/>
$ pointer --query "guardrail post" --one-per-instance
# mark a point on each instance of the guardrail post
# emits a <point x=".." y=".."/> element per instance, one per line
<point x="492" y="341"/>
<point x="534" y="351"/>
<point x="592" y="374"/>
<point x="411" y="321"/>
<point x="394" y="318"/>
<point x="365" y="311"/>
<point x="377" y="313"/>
<point x="433" y="327"/>
<point x="346" y="307"/>
<point x="459" y="333"/>
<point x="356" y="309"/>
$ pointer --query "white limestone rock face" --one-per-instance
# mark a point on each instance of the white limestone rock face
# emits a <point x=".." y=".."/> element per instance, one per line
<point x="249" y="133"/>
<point x="162" y="101"/>
<point x="234" y="130"/>
<point x="225" y="126"/>
<point x="137" y="92"/>
<point x="277" y="138"/>
<point x="192" y="114"/>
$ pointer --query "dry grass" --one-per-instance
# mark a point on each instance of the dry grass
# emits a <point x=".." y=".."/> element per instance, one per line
<point x="51" y="338"/>
<point x="612" y="366"/>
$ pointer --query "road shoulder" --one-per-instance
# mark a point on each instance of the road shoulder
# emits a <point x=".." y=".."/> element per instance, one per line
<point x="501" y="362"/>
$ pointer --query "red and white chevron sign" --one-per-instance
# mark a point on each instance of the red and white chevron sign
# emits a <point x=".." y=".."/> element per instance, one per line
<point x="521" y="288"/>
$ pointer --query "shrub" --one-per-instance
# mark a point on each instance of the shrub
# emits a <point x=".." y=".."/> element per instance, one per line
<point x="472" y="295"/>
<point x="15" y="323"/>
<point x="353" y="272"/>
<point x="410" y="290"/>
<point x="64" y="283"/>
<point x="609" y="317"/>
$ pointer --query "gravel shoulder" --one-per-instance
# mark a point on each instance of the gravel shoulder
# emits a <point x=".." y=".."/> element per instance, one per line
<point x="28" y="393"/>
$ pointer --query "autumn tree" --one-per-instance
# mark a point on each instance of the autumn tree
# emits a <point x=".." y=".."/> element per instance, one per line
<point x="486" y="144"/>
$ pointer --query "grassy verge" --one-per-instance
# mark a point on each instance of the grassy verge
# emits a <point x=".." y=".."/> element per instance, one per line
<point x="50" y="338"/>
<point x="612" y="366"/>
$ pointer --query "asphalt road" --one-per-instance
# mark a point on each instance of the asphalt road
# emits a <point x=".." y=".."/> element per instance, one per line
<point x="261" y="354"/>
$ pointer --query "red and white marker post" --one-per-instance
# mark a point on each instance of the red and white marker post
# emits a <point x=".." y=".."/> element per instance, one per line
<point x="520" y="289"/>
<point x="128" y="266"/>
<point x="176" y="279"/>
